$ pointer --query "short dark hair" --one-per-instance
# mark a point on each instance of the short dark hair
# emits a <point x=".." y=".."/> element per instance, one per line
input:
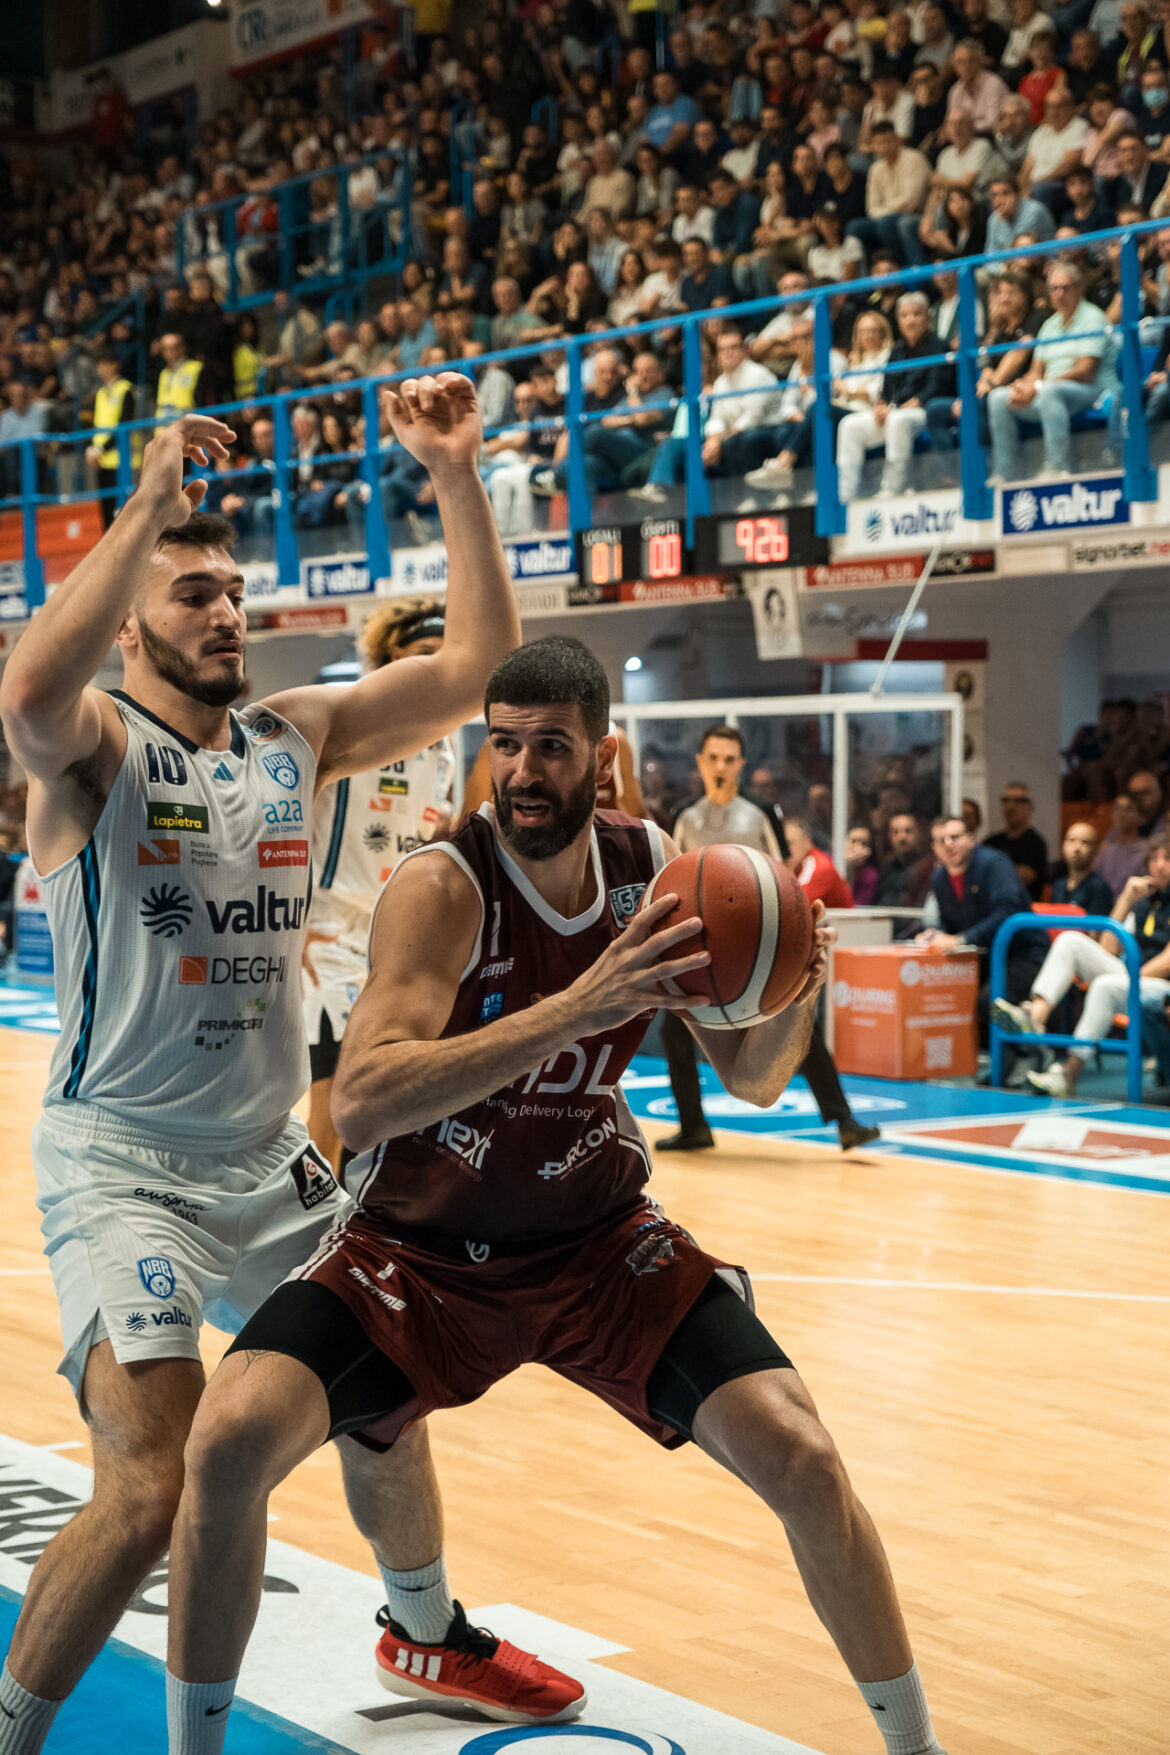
<point x="1157" y="844"/>
<point x="555" y="671"/>
<point x="202" y="530"/>
<point x="721" y="731"/>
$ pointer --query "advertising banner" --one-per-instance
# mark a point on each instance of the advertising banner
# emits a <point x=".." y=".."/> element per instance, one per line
<point x="905" y="1012"/>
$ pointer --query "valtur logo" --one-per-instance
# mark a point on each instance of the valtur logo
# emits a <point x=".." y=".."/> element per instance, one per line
<point x="873" y="524"/>
<point x="1023" y="509"/>
<point x="165" y="911"/>
<point x="1073" y="505"/>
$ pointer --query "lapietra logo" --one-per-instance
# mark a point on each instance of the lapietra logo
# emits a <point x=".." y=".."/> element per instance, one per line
<point x="165" y="910"/>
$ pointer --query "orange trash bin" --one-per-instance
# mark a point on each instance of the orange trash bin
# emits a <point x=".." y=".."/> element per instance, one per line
<point x="905" y="1012"/>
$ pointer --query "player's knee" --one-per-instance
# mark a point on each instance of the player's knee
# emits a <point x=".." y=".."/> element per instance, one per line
<point x="143" y="1500"/>
<point x="809" y="1484"/>
<point x="232" y="1452"/>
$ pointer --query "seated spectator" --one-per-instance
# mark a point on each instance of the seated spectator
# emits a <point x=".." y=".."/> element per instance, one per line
<point x="1027" y="19"/>
<point x="245" y="494"/>
<point x="1011" y="317"/>
<point x="861" y="868"/>
<point x="975" y="889"/>
<point x="869" y="353"/>
<point x="957" y="228"/>
<point x="1054" y="149"/>
<point x="792" y="437"/>
<point x="25" y="418"/>
<point x="891" y="106"/>
<point x="977" y="92"/>
<point x="1156" y="389"/>
<point x="619" y="448"/>
<point x="904" y="878"/>
<point x="1108" y="121"/>
<point x="843" y="185"/>
<point x="930" y="109"/>
<point x="776" y="343"/>
<point x="1065" y="376"/>
<point x="1132" y="47"/>
<point x="1014" y="216"/>
<point x="670" y="121"/>
<point x="1043" y="75"/>
<point x="625" y="304"/>
<point x="1085" y="64"/>
<point x="835" y="258"/>
<point x="1123" y="851"/>
<point x="610" y="186"/>
<point x="1140" y="180"/>
<point x="662" y="294"/>
<point x="895" y="190"/>
<point x="777" y="241"/>
<point x="745" y="406"/>
<point x="693" y="218"/>
<point x="519" y="453"/>
<point x="1024" y="845"/>
<point x="737" y="214"/>
<point x="605" y="248"/>
<point x="814" y="871"/>
<point x="704" y="283"/>
<point x="656" y="187"/>
<point x="1143" y="908"/>
<point x="1083" y="210"/>
<point x="1146" y="791"/>
<point x="1154" y="119"/>
<point x="1075" y="882"/>
<point x="901" y="412"/>
<point x="462" y="281"/>
<point x="1013" y="134"/>
<point x="699" y="158"/>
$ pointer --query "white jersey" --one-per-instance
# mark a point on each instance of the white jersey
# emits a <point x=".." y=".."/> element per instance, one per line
<point x="363" y="826"/>
<point x="177" y="932"/>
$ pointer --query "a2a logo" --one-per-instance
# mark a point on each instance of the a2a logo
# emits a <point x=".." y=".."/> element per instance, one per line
<point x="165" y="910"/>
<point x="284" y="813"/>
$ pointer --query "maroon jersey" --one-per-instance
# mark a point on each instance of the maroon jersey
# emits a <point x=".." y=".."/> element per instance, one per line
<point x="556" y="1152"/>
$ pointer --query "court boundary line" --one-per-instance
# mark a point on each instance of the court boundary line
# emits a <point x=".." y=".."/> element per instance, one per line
<point x="959" y="1286"/>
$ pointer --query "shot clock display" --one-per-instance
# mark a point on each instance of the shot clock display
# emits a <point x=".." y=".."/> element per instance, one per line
<point x="662" y="550"/>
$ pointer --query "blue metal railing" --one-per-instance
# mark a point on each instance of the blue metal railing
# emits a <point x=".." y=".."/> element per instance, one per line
<point x="1131" y="1047"/>
<point x="1139" y="478"/>
<point x="346" y="239"/>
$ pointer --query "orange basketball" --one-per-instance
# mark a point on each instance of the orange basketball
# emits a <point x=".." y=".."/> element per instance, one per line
<point x="757" y="926"/>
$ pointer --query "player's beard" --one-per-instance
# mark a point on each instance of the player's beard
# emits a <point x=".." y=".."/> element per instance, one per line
<point x="176" y="668"/>
<point x="568" y="818"/>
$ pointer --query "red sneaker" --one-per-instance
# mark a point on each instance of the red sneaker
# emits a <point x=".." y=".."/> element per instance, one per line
<point x="474" y="1668"/>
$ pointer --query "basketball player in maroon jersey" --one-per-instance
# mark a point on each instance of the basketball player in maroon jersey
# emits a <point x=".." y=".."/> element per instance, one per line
<point x="502" y="1209"/>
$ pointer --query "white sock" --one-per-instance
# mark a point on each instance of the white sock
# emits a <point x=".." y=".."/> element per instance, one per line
<point x="197" y="1715"/>
<point x="25" y="1719"/>
<point x="902" y="1715"/>
<point x="420" y="1601"/>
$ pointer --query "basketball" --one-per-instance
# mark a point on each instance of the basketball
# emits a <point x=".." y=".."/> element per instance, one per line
<point x="757" y="926"/>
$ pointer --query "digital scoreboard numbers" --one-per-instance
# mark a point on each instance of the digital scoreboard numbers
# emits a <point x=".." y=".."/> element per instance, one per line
<point x="662" y="551"/>
<point x="601" y="555"/>
<point x="754" y="542"/>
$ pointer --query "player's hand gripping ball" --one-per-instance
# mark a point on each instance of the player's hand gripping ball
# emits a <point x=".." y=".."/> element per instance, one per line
<point x="757" y="926"/>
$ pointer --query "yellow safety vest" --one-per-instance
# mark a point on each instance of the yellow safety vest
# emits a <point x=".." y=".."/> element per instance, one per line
<point x="246" y="367"/>
<point x="107" y="413"/>
<point x="176" y="389"/>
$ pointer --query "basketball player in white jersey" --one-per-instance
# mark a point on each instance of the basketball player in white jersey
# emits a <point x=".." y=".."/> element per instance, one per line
<point x="171" y="836"/>
<point x="362" y="827"/>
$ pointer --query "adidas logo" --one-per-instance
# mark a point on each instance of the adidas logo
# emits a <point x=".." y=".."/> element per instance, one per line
<point x="222" y="772"/>
<point x="415" y="1664"/>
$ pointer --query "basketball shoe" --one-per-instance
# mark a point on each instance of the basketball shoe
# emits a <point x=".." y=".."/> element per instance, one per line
<point x="474" y="1668"/>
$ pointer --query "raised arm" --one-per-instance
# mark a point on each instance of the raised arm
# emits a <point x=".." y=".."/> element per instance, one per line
<point x="395" y="1075"/>
<point x="51" y="716"/>
<point x="403" y="707"/>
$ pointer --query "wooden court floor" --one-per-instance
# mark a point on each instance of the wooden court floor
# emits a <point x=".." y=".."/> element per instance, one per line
<point x="1012" y="1444"/>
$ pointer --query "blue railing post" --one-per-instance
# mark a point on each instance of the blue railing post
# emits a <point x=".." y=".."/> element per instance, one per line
<point x="830" y="513"/>
<point x="377" y="542"/>
<point x="1141" y="482"/>
<point x="580" y="510"/>
<point x="978" y="500"/>
<point x="124" y="479"/>
<point x="34" y="573"/>
<point x="288" y="563"/>
<point x="230" y="237"/>
<point x="1082" y="923"/>
<point x="698" y="489"/>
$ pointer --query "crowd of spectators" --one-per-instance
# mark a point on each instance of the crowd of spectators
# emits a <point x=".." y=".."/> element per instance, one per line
<point x="781" y="146"/>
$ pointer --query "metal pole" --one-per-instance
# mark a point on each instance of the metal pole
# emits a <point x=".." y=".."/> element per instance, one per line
<point x="879" y="681"/>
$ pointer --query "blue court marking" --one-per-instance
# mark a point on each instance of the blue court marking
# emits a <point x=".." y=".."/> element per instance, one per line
<point x="897" y="1105"/>
<point x="120" y="1703"/>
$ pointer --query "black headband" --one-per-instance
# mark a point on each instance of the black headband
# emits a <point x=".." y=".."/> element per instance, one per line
<point x="426" y="625"/>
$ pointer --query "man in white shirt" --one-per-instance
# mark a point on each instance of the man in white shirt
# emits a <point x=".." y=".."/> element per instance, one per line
<point x="1055" y="147"/>
<point x="745" y="406"/>
<point x="891" y="103"/>
<point x="967" y="161"/>
<point x="895" y="189"/>
<point x="776" y="342"/>
<point x="693" y="219"/>
<point x="1066" y="376"/>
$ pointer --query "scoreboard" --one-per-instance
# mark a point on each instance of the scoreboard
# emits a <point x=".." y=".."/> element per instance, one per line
<point x="656" y="550"/>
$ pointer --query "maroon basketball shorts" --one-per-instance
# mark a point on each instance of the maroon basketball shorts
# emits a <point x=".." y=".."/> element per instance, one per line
<point x="423" y="1330"/>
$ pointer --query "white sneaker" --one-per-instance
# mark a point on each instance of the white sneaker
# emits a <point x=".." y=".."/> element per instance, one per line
<point x="1017" y="1020"/>
<point x="770" y="474"/>
<point x="652" y="492"/>
<point x="1052" y="1083"/>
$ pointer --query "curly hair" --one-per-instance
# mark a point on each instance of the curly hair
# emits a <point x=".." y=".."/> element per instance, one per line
<point x="381" y="636"/>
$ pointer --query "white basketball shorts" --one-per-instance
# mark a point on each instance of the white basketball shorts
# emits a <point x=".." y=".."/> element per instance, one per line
<point x="145" y="1241"/>
<point x="341" y="973"/>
